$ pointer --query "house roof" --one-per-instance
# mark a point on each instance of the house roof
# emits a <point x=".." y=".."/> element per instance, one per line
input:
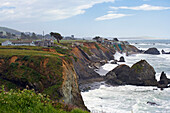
<point x="21" y="41"/>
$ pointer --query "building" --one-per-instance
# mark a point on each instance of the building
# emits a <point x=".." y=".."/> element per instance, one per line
<point x="3" y="33"/>
<point x="44" y="43"/>
<point x="18" y="43"/>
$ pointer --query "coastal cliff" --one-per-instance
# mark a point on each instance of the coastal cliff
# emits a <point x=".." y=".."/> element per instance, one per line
<point x="47" y="72"/>
<point x="56" y="71"/>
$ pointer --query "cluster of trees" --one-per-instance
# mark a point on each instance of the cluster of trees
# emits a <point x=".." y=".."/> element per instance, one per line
<point x="26" y="36"/>
<point x="7" y="35"/>
<point x="55" y="35"/>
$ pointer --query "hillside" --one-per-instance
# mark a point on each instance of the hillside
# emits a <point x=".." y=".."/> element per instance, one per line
<point x="56" y="71"/>
<point x="12" y="31"/>
<point x="46" y="70"/>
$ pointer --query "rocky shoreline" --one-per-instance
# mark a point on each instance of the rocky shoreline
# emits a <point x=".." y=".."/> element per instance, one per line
<point x="140" y="74"/>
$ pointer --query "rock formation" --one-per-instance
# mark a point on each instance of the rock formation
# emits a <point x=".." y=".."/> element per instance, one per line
<point x="164" y="81"/>
<point x="153" y="51"/>
<point x="122" y="59"/>
<point x="163" y="52"/>
<point x="141" y="74"/>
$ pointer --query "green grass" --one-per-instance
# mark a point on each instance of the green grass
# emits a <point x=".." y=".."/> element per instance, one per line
<point x="27" y="101"/>
<point x="13" y="52"/>
<point x="23" y="47"/>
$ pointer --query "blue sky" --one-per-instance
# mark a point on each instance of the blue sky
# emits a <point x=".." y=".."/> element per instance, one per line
<point x="89" y="18"/>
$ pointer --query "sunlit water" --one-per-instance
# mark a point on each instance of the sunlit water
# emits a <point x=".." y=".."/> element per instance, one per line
<point x="133" y="99"/>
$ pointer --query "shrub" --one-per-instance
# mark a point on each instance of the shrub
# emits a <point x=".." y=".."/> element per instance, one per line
<point x="97" y="46"/>
<point x="27" y="101"/>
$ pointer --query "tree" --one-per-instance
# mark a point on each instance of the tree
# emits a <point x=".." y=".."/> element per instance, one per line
<point x="56" y="36"/>
<point x="96" y="38"/>
<point x="34" y="36"/>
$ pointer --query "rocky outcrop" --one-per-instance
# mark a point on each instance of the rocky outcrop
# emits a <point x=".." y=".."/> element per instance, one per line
<point x="163" y="52"/>
<point x="164" y="81"/>
<point x="114" y="62"/>
<point x="97" y="65"/>
<point x="122" y="59"/>
<point x="90" y="56"/>
<point x="70" y="87"/>
<point x="143" y="74"/>
<point x="118" y="76"/>
<point x="153" y="51"/>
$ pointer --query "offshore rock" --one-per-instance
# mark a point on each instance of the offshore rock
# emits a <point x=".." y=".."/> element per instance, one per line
<point x="164" y="81"/>
<point x="118" y="76"/>
<point x="153" y="51"/>
<point x="122" y="59"/>
<point x="142" y="74"/>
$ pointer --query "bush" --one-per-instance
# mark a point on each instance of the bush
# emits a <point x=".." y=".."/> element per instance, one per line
<point x="27" y="101"/>
<point x="97" y="46"/>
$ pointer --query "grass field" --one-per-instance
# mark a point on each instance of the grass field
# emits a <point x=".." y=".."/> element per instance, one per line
<point x="25" y="50"/>
<point x="2" y="40"/>
<point x="70" y="41"/>
<point x="12" y="52"/>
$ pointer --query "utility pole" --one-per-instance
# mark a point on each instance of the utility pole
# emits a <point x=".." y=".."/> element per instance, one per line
<point x="43" y="35"/>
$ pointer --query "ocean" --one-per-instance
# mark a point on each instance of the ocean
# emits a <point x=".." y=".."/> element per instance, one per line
<point x="128" y="98"/>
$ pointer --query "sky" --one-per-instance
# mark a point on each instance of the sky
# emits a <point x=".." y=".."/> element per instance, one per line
<point x="89" y="18"/>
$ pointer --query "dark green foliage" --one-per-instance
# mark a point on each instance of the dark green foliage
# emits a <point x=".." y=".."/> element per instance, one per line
<point x="8" y="84"/>
<point x="61" y="50"/>
<point x="75" y="58"/>
<point x="87" y="50"/>
<point x="56" y="36"/>
<point x="27" y="101"/>
<point x="97" y="46"/>
<point x="53" y="91"/>
<point x="26" y="58"/>
<point x="96" y="38"/>
<point x="14" y="65"/>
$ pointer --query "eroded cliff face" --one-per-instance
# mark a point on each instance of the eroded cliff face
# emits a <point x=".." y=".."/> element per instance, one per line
<point x="70" y="87"/>
<point x="56" y="71"/>
<point x="91" y="54"/>
<point x="49" y="75"/>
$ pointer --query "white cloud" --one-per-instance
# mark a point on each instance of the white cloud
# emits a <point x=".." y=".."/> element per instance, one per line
<point x="110" y="16"/>
<point x="144" y="7"/>
<point x="46" y="10"/>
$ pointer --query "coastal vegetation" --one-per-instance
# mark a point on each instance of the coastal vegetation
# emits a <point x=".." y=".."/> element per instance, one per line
<point x="27" y="101"/>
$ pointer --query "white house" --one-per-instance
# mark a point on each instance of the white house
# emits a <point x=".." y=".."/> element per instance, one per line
<point x="18" y="43"/>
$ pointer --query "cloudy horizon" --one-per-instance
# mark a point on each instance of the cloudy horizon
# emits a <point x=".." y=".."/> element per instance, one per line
<point x="88" y="18"/>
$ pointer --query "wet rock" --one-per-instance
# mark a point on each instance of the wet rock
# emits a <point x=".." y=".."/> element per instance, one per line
<point x="152" y="103"/>
<point x="122" y="73"/>
<point x="163" y="52"/>
<point x="153" y="51"/>
<point x="86" y="89"/>
<point x="114" y="62"/>
<point x="111" y="79"/>
<point x="103" y="62"/>
<point x="143" y="74"/>
<point x="118" y="76"/>
<point x="164" y="81"/>
<point x="122" y="59"/>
